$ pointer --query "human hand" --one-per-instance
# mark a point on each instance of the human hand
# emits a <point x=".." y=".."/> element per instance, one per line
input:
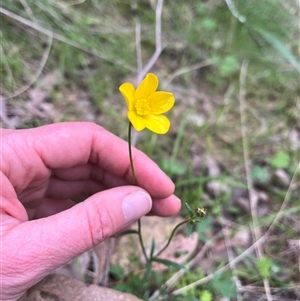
<point x="41" y="171"/>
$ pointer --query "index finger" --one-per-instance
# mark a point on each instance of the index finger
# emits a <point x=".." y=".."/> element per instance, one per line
<point x="64" y="145"/>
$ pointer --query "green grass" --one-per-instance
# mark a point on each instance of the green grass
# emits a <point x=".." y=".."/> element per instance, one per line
<point x="93" y="51"/>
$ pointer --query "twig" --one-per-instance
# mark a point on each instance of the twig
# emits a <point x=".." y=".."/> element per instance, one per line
<point x="221" y="270"/>
<point x="185" y="70"/>
<point x="101" y="259"/>
<point x="214" y="171"/>
<point x="252" y="197"/>
<point x="65" y="5"/>
<point x="232" y="265"/>
<point x="63" y="39"/>
<point x="158" y="46"/>
<point x="285" y="201"/>
<point x="39" y="71"/>
<point x="28" y="10"/>
<point x="138" y="47"/>
<point x="139" y="62"/>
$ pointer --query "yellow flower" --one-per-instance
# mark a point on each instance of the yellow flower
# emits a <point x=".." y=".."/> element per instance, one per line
<point x="146" y="105"/>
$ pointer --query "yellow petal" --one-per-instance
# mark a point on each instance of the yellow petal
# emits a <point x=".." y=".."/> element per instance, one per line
<point x="161" y="102"/>
<point x="147" y="86"/>
<point x="137" y="121"/>
<point x="127" y="91"/>
<point x="158" y="124"/>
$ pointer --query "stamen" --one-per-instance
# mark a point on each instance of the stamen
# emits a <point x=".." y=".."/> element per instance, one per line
<point x="142" y="107"/>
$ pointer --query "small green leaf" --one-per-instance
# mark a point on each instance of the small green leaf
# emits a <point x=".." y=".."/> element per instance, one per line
<point x="264" y="266"/>
<point x="259" y="174"/>
<point x="205" y="296"/>
<point x="281" y="160"/>
<point x="116" y="271"/>
<point x="201" y="228"/>
<point x="123" y="287"/>
<point x="189" y="209"/>
<point x="189" y="230"/>
<point x="209" y="24"/>
<point x="152" y="248"/>
<point x="148" y="270"/>
<point x="225" y="287"/>
<point x="168" y="263"/>
<point x="173" y="167"/>
<point x="228" y="65"/>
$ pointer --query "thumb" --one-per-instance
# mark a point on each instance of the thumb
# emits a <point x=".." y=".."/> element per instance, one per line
<point x="101" y="216"/>
<point x="40" y="246"/>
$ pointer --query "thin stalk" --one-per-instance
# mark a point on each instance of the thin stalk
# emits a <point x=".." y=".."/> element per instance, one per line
<point x="171" y="236"/>
<point x="141" y="240"/>
<point x="130" y="154"/>
<point x="134" y="183"/>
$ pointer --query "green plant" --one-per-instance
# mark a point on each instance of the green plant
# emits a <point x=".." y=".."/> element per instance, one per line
<point x="264" y="266"/>
<point x="281" y="160"/>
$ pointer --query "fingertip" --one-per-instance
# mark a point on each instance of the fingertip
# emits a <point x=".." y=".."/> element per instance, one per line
<point x="166" y="207"/>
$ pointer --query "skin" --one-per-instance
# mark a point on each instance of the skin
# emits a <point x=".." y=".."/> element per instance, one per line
<point x="42" y="170"/>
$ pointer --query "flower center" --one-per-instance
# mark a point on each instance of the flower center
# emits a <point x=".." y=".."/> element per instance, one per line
<point x="142" y="106"/>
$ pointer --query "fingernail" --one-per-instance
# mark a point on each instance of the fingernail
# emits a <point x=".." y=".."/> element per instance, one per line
<point x="135" y="205"/>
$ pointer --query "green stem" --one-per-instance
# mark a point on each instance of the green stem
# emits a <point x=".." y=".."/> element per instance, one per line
<point x="141" y="240"/>
<point x="171" y="236"/>
<point x="134" y="183"/>
<point x="130" y="154"/>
